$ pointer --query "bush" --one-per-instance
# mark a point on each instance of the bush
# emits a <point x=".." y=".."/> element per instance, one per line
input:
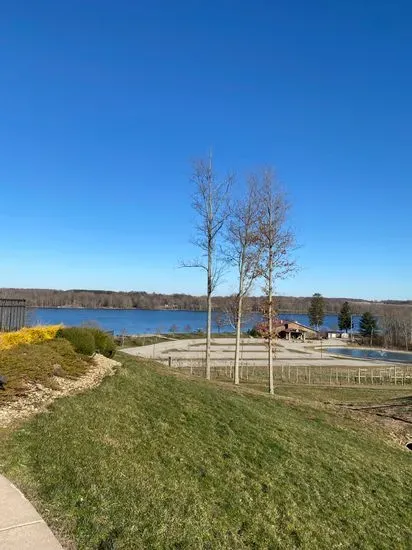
<point x="88" y="340"/>
<point x="253" y="332"/>
<point x="28" y="335"/>
<point x="82" y="339"/>
<point x="104" y="342"/>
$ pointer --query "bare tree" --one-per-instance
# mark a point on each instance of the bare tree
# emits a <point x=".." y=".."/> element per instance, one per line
<point x="210" y="204"/>
<point x="277" y="242"/>
<point x="231" y="311"/>
<point x="220" y="322"/>
<point x="243" y="251"/>
<point x="406" y="330"/>
<point x="396" y="328"/>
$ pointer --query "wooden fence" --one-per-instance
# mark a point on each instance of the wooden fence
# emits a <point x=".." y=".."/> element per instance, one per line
<point x="388" y="374"/>
<point x="12" y="314"/>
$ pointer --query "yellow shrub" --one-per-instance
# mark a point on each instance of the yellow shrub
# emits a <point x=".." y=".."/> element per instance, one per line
<point x="28" y="335"/>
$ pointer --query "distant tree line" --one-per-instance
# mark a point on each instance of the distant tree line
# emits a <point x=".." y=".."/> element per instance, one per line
<point x="392" y="329"/>
<point x="145" y="300"/>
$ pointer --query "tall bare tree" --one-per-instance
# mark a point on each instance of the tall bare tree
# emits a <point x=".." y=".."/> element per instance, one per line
<point x="243" y="251"/>
<point x="277" y="243"/>
<point x="210" y="202"/>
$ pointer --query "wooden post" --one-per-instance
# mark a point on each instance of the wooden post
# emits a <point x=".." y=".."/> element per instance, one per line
<point x="394" y="375"/>
<point x="289" y="372"/>
<point x="337" y="376"/>
<point x="170" y="360"/>
<point x="359" y="376"/>
<point x="309" y="369"/>
<point x="348" y="377"/>
<point x="330" y="377"/>
<point x="297" y="375"/>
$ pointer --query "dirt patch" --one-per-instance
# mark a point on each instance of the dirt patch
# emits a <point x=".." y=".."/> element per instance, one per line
<point x="397" y="409"/>
<point x="38" y="397"/>
<point x="395" y="416"/>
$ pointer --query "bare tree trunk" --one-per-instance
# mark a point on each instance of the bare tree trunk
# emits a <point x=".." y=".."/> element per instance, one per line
<point x="209" y="311"/>
<point x="208" y="335"/>
<point x="210" y="203"/>
<point x="238" y="333"/>
<point x="270" y="328"/>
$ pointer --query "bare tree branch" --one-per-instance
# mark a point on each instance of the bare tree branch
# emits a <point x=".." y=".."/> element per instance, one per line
<point x="193" y="263"/>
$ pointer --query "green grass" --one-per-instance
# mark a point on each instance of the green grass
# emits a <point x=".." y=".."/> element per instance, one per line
<point x="137" y="341"/>
<point x="155" y="460"/>
<point x="36" y="363"/>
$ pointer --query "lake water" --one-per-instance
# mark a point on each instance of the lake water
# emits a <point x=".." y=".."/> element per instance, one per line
<point x="373" y="354"/>
<point x="146" y="321"/>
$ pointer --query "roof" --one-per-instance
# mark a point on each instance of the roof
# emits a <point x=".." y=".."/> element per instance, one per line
<point x="300" y="325"/>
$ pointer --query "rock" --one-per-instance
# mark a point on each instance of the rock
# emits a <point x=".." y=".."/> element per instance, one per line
<point x="3" y="381"/>
<point x="58" y="370"/>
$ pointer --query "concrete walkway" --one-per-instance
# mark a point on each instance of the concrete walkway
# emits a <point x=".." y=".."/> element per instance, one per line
<point x="21" y="527"/>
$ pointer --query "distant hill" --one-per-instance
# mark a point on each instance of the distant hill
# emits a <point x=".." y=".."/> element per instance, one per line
<point x="144" y="300"/>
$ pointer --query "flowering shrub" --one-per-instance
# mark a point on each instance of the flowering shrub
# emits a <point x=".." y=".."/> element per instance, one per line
<point x="28" y="335"/>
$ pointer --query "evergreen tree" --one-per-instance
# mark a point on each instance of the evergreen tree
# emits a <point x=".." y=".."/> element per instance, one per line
<point x="368" y="324"/>
<point x="344" y="318"/>
<point x="316" y="311"/>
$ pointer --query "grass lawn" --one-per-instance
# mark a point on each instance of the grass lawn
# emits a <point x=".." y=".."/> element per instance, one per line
<point x="154" y="460"/>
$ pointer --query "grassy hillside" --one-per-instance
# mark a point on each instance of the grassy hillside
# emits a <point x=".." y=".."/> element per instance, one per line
<point x="151" y="460"/>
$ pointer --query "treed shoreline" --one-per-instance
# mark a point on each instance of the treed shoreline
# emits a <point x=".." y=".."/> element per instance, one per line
<point x="103" y="299"/>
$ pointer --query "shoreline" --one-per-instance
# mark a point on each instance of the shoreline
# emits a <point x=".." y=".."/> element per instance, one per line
<point x="118" y="308"/>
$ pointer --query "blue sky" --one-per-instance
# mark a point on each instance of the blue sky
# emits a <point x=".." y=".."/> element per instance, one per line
<point x="105" y="104"/>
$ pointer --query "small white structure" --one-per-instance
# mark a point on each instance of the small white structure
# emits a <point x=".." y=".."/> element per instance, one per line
<point x="332" y="334"/>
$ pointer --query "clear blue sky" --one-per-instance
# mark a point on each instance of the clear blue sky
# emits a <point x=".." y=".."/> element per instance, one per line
<point x="105" y="103"/>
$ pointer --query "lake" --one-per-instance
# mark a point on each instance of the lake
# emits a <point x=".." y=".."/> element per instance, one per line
<point x="147" y="321"/>
<point x="380" y="355"/>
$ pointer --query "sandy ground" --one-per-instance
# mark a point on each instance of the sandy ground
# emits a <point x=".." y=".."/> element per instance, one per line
<point x="254" y="352"/>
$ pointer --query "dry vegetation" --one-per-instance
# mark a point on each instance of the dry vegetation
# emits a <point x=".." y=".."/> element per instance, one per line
<point x="38" y="363"/>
